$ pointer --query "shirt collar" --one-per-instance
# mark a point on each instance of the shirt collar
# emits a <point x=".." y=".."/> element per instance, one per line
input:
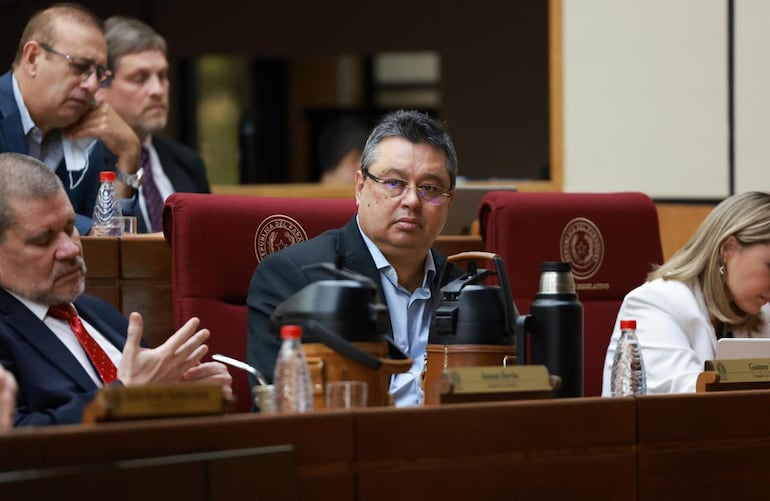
<point x="381" y="262"/>
<point x="37" y="309"/>
<point x="26" y="119"/>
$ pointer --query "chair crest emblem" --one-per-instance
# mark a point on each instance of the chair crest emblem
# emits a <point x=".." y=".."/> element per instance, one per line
<point x="277" y="232"/>
<point x="582" y="245"/>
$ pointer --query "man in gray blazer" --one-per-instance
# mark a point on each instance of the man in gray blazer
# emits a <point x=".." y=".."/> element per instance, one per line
<point x="139" y="92"/>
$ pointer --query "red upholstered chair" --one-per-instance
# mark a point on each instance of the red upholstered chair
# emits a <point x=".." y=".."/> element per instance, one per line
<point x="611" y="239"/>
<point x="216" y="243"/>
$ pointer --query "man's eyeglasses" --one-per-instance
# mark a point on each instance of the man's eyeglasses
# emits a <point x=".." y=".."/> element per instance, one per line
<point x="434" y="195"/>
<point x="82" y="67"/>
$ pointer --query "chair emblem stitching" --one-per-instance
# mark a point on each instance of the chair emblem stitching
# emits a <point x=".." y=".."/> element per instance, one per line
<point x="277" y="232"/>
<point x="582" y="245"/>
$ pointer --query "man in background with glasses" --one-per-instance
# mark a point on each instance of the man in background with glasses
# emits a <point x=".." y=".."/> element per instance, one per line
<point x="403" y="191"/>
<point x="48" y="108"/>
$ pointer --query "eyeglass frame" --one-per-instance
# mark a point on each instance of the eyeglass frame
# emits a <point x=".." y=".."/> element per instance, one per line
<point x="439" y="200"/>
<point x="77" y="63"/>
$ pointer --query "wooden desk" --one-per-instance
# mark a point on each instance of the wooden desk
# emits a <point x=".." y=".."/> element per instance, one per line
<point x="704" y="445"/>
<point x="537" y="449"/>
<point x="696" y="446"/>
<point x="133" y="273"/>
<point x="322" y="442"/>
<point x="206" y="476"/>
<point x="511" y="450"/>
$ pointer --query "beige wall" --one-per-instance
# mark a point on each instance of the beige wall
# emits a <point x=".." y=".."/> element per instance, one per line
<point x="645" y="97"/>
<point x="752" y="103"/>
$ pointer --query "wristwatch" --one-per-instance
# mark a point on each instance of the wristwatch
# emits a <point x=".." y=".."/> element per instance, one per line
<point x="133" y="180"/>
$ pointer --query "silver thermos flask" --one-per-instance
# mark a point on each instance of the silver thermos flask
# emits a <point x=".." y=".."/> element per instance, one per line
<point x="552" y="333"/>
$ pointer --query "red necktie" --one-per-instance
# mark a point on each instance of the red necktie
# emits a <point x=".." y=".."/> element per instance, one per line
<point x="99" y="358"/>
<point x="152" y="199"/>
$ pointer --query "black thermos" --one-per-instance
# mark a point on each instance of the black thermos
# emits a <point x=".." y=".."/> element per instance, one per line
<point x="552" y="333"/>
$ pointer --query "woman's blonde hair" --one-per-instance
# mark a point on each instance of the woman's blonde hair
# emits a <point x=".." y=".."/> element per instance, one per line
<point x="746" y="216"/>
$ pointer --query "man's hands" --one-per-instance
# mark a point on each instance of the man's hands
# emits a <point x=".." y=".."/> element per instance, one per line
<point x="211" y="372"/>
<point x="176" y="360"/>
<point x="104" y="123"/>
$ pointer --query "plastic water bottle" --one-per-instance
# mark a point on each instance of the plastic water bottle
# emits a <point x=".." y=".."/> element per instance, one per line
<point x="293" y="388"/>
<point x="107" y="218"/>
<point x="628" y="375"/>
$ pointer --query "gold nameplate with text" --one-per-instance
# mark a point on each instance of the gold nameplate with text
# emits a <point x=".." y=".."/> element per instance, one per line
<point x="496" y="379"/>
<point x="155" y="401"/>
<point x="741" y="370"/>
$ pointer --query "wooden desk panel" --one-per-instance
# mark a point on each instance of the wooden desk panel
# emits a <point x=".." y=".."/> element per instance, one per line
<point x="323" y="445"/>
<point x="576" y="448"/>
<point x="133" y="273"/>
<point x="704" y="446"/>
<point x="145" y="284"/>
<point x="145" y="256"/>
<point x="212" y="476"/>
<point x="102" y="262"/>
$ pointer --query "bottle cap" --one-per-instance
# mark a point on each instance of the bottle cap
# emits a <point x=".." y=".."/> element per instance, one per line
<point x="106" y="175"/>
<point x="291" y="332"/>
<point x="628" y="324"/>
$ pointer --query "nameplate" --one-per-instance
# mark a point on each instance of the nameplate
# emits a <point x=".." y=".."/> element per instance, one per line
<point x="155" y="401"/>
<point x="741" y="370"/>
<point x="496" y="379"/>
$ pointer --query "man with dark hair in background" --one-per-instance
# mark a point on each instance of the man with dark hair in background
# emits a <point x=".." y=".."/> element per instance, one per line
<point x="340" y="145"/>
<point x="139" y="92"/>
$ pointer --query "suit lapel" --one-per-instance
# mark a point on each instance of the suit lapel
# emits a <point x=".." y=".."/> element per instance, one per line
<point x="42" y="339"/>
<point x="172" y="167"/>
<point x="11" y="131"/>
<point x="351" y="246"/>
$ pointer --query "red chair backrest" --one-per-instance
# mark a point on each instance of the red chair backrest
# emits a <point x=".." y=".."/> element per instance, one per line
<point x="611" y="239"/>
<point x="217" y="241"/>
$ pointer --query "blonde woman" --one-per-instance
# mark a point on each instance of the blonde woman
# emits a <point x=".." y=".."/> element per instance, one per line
<point x="717" y="285"/>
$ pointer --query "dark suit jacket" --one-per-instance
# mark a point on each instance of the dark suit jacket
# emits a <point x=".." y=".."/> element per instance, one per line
<point x="184" y="168"/>
<point x="280" y="275"/>
<point x="83" y="194"/>
<point x="53" y="387"/>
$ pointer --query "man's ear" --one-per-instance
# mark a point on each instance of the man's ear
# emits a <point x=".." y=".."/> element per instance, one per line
<point x="359" y="182"/>
<point x="30" y="54"/>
